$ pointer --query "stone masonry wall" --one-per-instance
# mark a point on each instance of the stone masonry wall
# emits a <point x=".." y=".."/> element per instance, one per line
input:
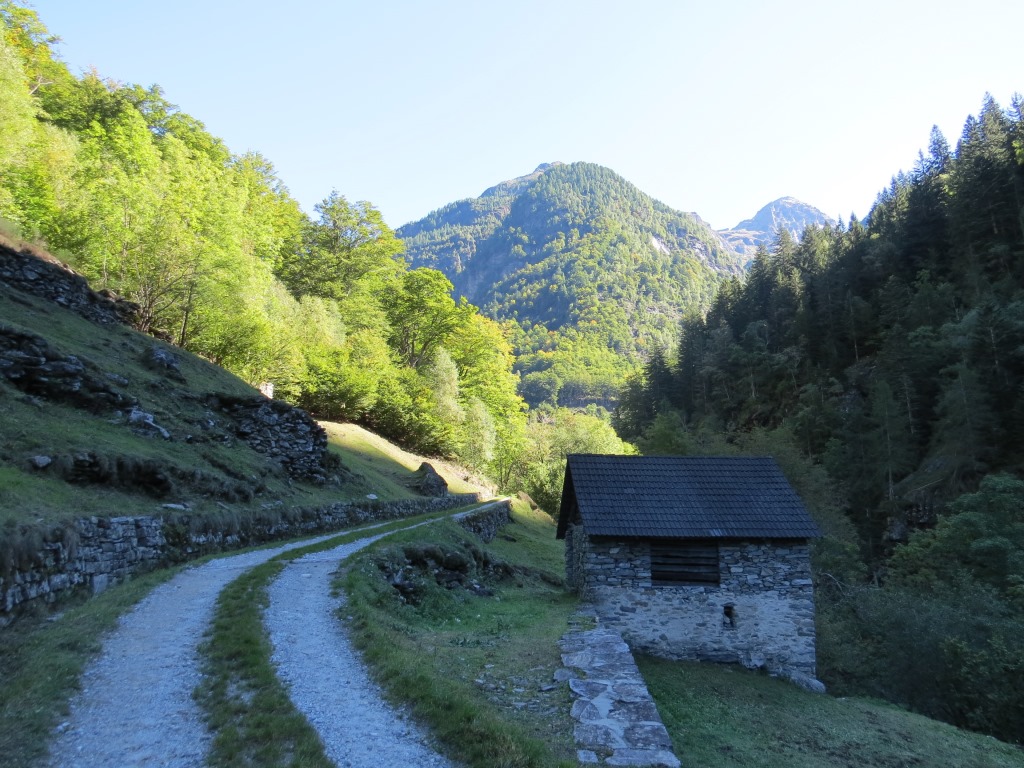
<point x="486" y="523"/>
<point x="761" y="615"/>
<point x="575" y="556"/>
<point x="95" y="552"/>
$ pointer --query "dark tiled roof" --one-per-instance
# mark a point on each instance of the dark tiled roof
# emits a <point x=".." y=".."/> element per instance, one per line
<point x="682" y="497"/>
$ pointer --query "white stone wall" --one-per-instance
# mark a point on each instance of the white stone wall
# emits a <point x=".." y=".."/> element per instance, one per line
<point x="765" y="585"/>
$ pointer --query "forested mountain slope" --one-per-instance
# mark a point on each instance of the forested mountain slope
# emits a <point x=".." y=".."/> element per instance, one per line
<point x="890" y="353"/>
<point x="143" y="201"/>
<point x="139" y="198"/>
<point x="595" y="273"/>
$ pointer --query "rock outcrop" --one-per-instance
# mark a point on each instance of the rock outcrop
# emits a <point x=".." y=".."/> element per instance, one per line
<point x="31" y="365"/>
<point x="44" y="276"/>
<point x="282" y="432"/>
<point x="429" y="483"/>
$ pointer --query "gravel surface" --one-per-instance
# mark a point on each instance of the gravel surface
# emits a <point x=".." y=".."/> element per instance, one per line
<point x="135" y="708"/>
<point x="326" y="677"/>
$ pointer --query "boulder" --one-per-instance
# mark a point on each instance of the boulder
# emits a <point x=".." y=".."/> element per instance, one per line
<point x="429" y="483"/>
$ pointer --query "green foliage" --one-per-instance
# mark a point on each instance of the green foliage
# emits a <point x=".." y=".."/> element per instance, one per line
<point x="347" y="246"/>
<point x="423" y="315"/>
<point x="957" y="652"/>
<point x="551" y="435"/>
<point x="891" y="351"/>
<point x="594" y="272"/>
<point x="142" y="200"/>
<point x="981" y="537"/>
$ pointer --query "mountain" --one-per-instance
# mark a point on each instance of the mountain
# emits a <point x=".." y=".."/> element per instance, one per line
<point x="594" y="273"/>
<point x="785" y="213"/>
<point x="481" y="242"/>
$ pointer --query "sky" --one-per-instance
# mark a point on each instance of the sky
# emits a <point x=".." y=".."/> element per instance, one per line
<point x="711" y="107"/>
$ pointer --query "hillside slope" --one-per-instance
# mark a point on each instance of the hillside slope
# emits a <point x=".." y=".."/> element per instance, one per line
<point x="98" y="419"/>
<point x="595" y="273"/>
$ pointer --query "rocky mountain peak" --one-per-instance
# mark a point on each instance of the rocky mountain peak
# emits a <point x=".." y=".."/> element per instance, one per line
<point x="785" y="213"/>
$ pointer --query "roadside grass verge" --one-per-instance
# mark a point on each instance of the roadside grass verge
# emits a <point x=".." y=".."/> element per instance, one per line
<point x="41" y="662"/>
<point x="726" y="716"/>
<point x="476" y="668"/>
<point x="248" y="710"/>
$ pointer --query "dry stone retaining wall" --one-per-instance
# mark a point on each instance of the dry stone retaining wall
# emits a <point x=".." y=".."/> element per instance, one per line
<point x="486" y="523"/>
<point x="95" y="552"/>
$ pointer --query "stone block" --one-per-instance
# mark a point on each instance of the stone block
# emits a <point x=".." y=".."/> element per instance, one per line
<point x="644" y="757"/>
<point x="598" y="736"/>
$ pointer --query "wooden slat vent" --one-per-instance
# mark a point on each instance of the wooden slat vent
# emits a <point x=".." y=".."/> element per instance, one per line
<point x="684" y="563"/>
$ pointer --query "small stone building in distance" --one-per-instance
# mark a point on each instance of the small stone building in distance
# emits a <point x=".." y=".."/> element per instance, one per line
<point x="694" y="557"/>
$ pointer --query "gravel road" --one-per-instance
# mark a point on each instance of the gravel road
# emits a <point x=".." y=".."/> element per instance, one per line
<point x="325" y="676"/>
<point x="135" y="709"/>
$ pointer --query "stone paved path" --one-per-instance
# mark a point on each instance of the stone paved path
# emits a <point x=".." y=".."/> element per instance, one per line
<point x="618" y="720"/>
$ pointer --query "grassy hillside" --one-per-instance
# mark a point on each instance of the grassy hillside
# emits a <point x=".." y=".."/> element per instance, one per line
<point x="385" y="469"/>
<point x="730" y="717"/>
<point x="76" y="449"/>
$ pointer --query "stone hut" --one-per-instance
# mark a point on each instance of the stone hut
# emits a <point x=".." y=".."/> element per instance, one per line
<point x="694" y="557"/>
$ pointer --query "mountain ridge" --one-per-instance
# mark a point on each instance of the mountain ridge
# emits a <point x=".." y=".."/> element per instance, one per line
<point x="593" y="274"/>
<point x="574" y="250"/>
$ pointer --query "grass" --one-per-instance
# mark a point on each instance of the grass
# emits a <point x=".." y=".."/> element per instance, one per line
<point x="247" y="708"/>
<point x="41" y="661"/>
<point x="727" y="717"/>
<point x="42" y="656"/>
<point x="30" y="427"/>
<point x="386" y="468"/>
<point x="476" y="669"/>
<point x="214" y="473"/>
<point x="254" y="722"/>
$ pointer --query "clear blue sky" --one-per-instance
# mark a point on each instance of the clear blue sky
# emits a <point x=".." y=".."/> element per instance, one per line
<point x="713" y="107"/>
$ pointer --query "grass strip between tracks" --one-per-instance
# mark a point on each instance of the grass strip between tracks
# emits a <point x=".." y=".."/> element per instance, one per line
<point x="248" y="710"/>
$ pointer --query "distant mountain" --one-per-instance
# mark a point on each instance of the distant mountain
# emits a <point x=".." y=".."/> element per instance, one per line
<point x="595" y="273"/>
<point x="785" y="213"/>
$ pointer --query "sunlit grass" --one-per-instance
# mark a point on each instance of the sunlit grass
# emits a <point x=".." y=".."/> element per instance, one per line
<point x="382" y="462"/>
<point x="476" y="669"/>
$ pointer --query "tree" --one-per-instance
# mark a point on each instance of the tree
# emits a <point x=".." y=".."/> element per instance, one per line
<point x="348" y="246"/>
<point x="423" y="315"/>
<point x="17" y="108"/>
